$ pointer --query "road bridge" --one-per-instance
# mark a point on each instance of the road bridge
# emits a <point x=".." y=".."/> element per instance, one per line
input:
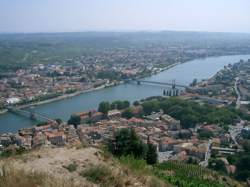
<point x="30" y="114"/>
<point x="173" y="85"/>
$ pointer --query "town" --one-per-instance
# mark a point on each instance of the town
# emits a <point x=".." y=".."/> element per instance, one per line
<point x="54" y="77"/>
<point x="174" y="139"/>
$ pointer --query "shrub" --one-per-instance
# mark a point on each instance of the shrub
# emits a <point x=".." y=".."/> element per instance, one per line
<point x="71" y="167"/>
<point x="97" y="174"/>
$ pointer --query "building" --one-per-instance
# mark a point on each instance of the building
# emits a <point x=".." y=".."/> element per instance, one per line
<point x="90" y="116"/>
<point x="114" y="114"/>
<point x="13" y="100"/>
<point x="39" y="139"/>
<point x="172" y="123"/>
<point x="56" y="138"/>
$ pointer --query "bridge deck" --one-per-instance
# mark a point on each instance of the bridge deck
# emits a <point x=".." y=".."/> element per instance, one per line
<point x="28" y="114"/>
<point x="162" y="83"/>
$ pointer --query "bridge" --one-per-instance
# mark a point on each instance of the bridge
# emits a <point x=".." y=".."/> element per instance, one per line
<point x="30" y="114"/>
<point x="173" y="85"/>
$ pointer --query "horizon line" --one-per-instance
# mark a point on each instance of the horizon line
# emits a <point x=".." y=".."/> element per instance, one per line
<point x="122" y="31"/>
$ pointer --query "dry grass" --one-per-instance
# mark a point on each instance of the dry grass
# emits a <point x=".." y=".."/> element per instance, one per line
<point x="73" y="167"/>
<point x="12" y="177"/>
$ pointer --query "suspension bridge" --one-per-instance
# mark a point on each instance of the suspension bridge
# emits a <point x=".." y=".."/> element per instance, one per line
<point x="30" y="114"/>
<point x="173" y="84"/>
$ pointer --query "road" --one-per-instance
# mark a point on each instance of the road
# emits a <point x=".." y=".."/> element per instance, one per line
<point x="208" y="154"/>
<point x="235" y="131"/>
<point x="238" y="102"/>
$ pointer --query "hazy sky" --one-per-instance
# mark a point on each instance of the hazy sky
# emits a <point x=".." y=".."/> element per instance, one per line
<point x="124" y="15"/>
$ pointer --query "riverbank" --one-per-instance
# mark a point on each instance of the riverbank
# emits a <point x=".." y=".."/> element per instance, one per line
<point x="183" y="74"/>
<point x="66" y="96"/>
<point x="3" y="111"/>
<point x="62" y="97"/>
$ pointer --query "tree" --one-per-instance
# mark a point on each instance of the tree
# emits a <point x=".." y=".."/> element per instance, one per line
<point x="136" y="103"/>
<point x="246" y="145"/>
<point x="74" y="120"/>
<point x="150" y="106"/>
<point x="243" y="168"/>
<point x="119" y="105"/>
<point x="59" y="121"/>
<point x="126" y="142"/>
<point x="126" y="104"/>
<point x="205" y="134"/>
<point x="104" y="107"/>
<point x="188" y="121"/>
<point x="151" y="156"/>
<point x="217" y="165"/>
<point x="127" y="113"/>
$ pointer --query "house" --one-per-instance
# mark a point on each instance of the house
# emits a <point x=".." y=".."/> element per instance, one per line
<point x="191" y="150"/>
<point x="41" y="128"/>
<point x="71" y="135"/>
<point x="137" y="110"/>
<point x="167" y="144"/>
<point x="39" y="139"/>
<point x="172" y="123"/>
<point x="90" y="116"/>
<point x="27" y="141"/>
<point x="26" y="131"/>
<point x="135" y="121"/>
<point x="56" y="138"/>
<point x="96" y="116"/>
<point x="154" y="116"/>
<point x="13" y="100"/>
<point x="114" y="114"/>
<point x="5" y="140"/>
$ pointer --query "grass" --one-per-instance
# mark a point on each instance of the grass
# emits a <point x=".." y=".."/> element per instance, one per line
<point x="97" y="174"/>
<point x="71" y="167"/>
<point x="13" y="177"/>
<point x="188" y="175"/>
<point x="142" y="171"/>
<point x="137" y="166"/>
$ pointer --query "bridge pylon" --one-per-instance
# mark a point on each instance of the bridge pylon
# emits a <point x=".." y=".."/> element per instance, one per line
<point x="173" y="84"/>
<point x="32" y="114"/>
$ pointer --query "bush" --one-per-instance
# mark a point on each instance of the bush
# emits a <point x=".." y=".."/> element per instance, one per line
<point x="127" y="113"/>
<point x="97" y="174"/>
<point x="71" y="167"/>
<point x="133" y="163"/>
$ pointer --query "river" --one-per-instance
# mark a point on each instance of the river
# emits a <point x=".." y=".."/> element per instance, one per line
<point x="182" y="73"/>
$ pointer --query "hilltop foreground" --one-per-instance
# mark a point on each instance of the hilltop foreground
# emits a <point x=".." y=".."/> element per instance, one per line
<point x="90" y="166"/>
<point x="69" y="167"/>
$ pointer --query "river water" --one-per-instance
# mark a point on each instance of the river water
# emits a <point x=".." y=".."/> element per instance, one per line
<point x="183" y="74"/>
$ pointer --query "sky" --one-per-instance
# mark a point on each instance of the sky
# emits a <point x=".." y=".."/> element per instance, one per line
<point x="124" y="15"/>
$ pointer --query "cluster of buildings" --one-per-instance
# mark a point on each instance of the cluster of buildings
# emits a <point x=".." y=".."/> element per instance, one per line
<point x="50" y="134"/>
<point x="45" y="81"/>
<point x="164" y="132"/>
<point x="226" y="86"/>
<point x="106" y="67"/>
<point x="171" y="140"/>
